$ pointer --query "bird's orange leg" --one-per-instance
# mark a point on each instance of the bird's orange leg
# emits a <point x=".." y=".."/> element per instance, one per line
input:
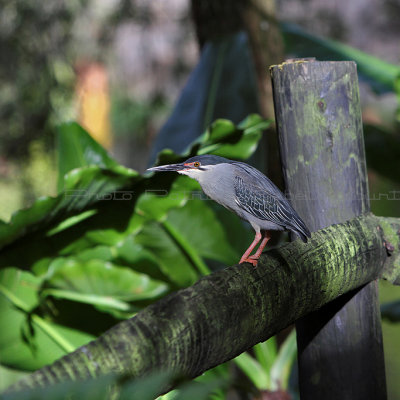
<point x="254" y="258"/>
<point x="245" y="256"/>
<point x="257" y="254"/>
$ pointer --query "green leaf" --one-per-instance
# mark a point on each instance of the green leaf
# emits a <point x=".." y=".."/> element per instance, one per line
<point x="85" y="188"/>
<point x="220" y="130"/>
<point x="282" y="366"/>
<point x="8" y="376"/>
<point x="186" y="248"/>
<point x="226" y="140"/>
<point x="138" y="257"/>
<point x="27" y="340"/>
<point x="254" y="122"/>
<point x="155" y="204"/>
<point x="105" y="253"/>
<point x="20" y="288"/>
<point x="172" y="261"/>
<point x="67" y="223"/>
<point x="195" y="221"/>
<point x="253" y="371"/>
<point x="266" y="353"/>
<point x="100" y="282"/>
<point x="76" y="148"/>
<point x="270" y="369"/>
<point x="184" y="237"/>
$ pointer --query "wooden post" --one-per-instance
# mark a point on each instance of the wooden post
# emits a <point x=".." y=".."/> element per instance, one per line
<point x="318" y="116"/>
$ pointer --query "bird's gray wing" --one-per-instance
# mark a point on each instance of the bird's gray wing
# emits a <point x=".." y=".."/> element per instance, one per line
<point x="258" y="195"/>
<point x="262" y="204"/>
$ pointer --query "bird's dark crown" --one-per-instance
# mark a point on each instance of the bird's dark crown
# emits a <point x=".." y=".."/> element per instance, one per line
<point x="208" y="159"/>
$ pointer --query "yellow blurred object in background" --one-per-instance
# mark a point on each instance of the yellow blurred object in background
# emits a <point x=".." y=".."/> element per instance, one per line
<point x="94" y="101"/>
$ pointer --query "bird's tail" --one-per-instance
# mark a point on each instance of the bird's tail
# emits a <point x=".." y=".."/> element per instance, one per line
<point x="299" y="227"/>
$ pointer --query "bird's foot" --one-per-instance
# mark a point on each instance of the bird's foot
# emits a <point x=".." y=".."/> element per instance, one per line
<point x="251" y="260"/>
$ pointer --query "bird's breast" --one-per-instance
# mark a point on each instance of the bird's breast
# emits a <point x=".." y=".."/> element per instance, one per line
<point x="218" y="184"/>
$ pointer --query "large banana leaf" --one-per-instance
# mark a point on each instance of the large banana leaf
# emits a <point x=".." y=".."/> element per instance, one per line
<point x="223" y="85"/>
<point x="111" y="242"/>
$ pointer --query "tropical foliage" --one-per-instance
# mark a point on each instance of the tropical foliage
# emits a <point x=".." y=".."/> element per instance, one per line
<point x="113" y="241"/>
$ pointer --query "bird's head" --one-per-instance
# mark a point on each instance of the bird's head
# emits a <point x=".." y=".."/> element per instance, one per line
<point x="194" y="167"/>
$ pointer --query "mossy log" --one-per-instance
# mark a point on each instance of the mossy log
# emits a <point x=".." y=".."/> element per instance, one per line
<point x="231" y="310"/>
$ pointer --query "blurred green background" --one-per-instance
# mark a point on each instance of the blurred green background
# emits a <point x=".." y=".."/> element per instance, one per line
<point x="118" y="67"/>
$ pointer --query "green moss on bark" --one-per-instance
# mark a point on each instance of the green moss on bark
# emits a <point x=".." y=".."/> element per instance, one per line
<point x="231" y="310"/>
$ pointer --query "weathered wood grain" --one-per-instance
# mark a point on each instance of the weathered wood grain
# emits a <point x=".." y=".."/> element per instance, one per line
<point x="319" y="123"/>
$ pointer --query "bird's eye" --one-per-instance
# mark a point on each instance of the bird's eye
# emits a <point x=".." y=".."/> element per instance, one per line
<point x="196" y="164"/>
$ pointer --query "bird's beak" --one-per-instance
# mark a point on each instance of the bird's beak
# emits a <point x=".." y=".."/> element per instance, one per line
<point x="169" y="167"/>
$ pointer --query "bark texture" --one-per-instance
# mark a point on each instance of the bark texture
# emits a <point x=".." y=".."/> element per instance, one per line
<point x="229" y="311"/>
<point x="319" y="122"/>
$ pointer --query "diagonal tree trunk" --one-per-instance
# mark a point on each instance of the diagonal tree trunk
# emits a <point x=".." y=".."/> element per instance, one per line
<point x="229" y="311"/>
